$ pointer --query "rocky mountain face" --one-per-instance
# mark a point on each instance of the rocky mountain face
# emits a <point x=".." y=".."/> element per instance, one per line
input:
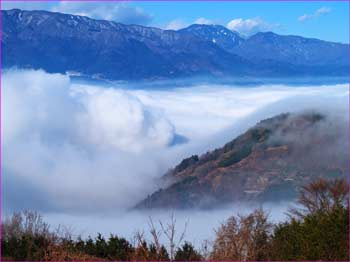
<point x="300" y="50"/>
<point x="64" y="43"/>
<point x="269" y="162"/>
<point x="217" y="34"/>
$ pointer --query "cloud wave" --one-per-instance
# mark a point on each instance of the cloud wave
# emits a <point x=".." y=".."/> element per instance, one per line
<point x="79" y="145"/>
<point x="82" y="148"/>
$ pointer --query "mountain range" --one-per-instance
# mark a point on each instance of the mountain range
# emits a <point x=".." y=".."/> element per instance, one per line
<point x="267" y="163"/>
<point x="101" y="49"/>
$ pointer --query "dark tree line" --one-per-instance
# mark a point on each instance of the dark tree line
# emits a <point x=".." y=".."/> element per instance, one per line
<point x="317" y="230"/>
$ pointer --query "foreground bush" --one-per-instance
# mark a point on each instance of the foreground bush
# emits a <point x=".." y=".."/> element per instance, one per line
<point x="187" y="253"/>
<point x="317" y="230"/>
<point x="243" y="238"/>
<point x="318" y="236"/>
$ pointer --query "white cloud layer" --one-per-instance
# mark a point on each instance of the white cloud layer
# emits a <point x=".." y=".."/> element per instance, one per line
<point x="115" y="118"/>
<point x="319" y="12"/>
<point x="251" y="26"/>
<point x="200" y="223"/>
<point x="106" y="118"/>
<point x="80" y="146"/>
<point x="73" y="147"/>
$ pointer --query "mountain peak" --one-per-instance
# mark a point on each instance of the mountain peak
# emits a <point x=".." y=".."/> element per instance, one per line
<point x="202" y="26"/>
<point x="217" y="34"/>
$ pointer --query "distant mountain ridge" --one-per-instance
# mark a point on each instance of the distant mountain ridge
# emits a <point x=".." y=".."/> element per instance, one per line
<point x="217" y="34"/>
<point x="267" y="163"/>
<point x="64" y="43"/>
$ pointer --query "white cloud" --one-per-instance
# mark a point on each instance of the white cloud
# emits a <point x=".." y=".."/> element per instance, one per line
<point x="319" y="12"/>
<point x="203" y="21"/>
<point x="220" y="106"/>
<point x="108" y="118"/>
<point x="119" y="12"/>
<point x="323" y="10"/>
<point x="176" y="24"/>
<point x="115" y="118"/>
<point x="81" y="148"/>
<point x="200" y="223"/>
<point x="303" y="17"/>
<point x="248" y="27"/>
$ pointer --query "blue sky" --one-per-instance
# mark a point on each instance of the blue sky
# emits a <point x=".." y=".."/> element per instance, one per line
<point x="323" y="20"/>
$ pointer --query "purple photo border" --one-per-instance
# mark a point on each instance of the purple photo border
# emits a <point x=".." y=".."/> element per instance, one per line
<point x="348" y="175"/>
<point x="191" y="1"/>
<point x="52" y="1"/>
<point x="0" y="130"/>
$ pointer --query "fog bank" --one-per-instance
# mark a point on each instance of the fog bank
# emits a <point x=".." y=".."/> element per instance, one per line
<point x="82" y="149"/>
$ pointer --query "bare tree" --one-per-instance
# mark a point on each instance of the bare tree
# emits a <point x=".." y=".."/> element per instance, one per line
<point x="141" y="251"/>
<point x="169" y="230"/>
<point x="243" y="238"/>
<point x="156" y="234"/>
<point x="205" y="249"/>
<point x="25" y="223"/>
<point x="34" y="224"/>
<point x="321" y="196"/>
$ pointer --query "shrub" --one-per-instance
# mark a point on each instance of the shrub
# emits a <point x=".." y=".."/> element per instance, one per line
<point x="187" y="253"/>
<point x="243" y="238"/>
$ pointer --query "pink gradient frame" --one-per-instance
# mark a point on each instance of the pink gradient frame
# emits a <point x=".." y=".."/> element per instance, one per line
<point x="191" y="1"/>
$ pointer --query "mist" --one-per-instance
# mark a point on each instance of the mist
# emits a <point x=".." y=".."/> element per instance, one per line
<point x="83" y="154"/>
<point x="199" y="225"/>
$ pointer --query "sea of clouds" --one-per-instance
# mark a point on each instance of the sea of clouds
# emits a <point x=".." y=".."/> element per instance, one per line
<point x="85" y="151"/>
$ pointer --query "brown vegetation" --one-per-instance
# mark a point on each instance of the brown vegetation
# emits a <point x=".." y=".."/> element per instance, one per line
<point x="318" y="229"/>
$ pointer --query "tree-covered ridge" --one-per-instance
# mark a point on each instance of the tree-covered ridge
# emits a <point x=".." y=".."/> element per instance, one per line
<point x="268" y="162"/>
